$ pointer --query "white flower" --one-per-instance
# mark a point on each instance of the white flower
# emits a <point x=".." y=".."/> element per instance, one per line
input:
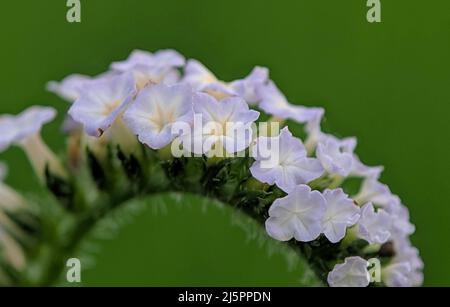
<point x="226" y="125"/>
<point x="282" y="160"/>
<point x="341" y="213"/>
<point x="24" y="130"/>
<point x="335" y="157"/>
<point x="374" y="226"/>
<point x="397" y="275"/>
<point x="375" y="192"/>
<point x="102" y="101"/>
<point x="298" y="215"/>
<point x="154" y="111"/>
<point x="247" y="87"/>
<point x="352" y="273"/>
<point x="202" y="79"/>
<point x="275" y="103"/>
<point x="70" y="87"/>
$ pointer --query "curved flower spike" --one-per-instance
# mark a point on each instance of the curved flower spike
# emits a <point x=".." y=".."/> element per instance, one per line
<point x="341" y="213"/>
<point x="335" y="159"/>
<point x="24" y="130"/>
<point x="102" y="102"/>
<point x="227" y="125"/>
<point x="70" y="87"/>
<point x="155" y="110"/>
<point x="247" y="87"/>
<point x="275" y="103"/>
<point x="352" y="273"/>
<point x="282" y="161"/>
<point x="374" y="227"/>
<point x="298" y="215"/>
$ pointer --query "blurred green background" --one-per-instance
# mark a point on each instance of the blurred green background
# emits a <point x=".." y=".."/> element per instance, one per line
<point x="386" y="83"/>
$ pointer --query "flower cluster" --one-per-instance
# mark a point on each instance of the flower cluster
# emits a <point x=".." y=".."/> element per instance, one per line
<point x="155" y="100"/>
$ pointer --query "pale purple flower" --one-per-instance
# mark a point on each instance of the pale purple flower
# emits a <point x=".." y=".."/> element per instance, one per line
<point x="154" y="111"/>
<point x="397" y="275"/>
<point x="341" y="213"/>
<point x="375" y="192"/>
<point x="24" y="130"/>
<point x="282" y="160"/>
<point x="16" y="129"/>
<point x="146" y="67"/>
<point x="247" y="87"/>
<point x="275" y="103"/>
<point x="401" y="225"/>
<point x="406" y="252"/>
<point x="139" y="59"/>
<point x="352" y="273"/>
<point x="298" y="215"/>
<point x="374" y="226"/>
<point x="227" y="124"/>
<point x="314" y="133"/>
<point x="8" y="132"/>
<point x="102" y="101"/>
<point x="359" y="169"/>
<point x="335" y="157"/>
<point x="202" y="79"/>
<point x="70" y="87"/>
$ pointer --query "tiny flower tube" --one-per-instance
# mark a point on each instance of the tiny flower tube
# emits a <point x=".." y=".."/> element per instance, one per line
<point x="24" y="130"/>
<point x="12" y="250"/>
<point x="9" y="199"/>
